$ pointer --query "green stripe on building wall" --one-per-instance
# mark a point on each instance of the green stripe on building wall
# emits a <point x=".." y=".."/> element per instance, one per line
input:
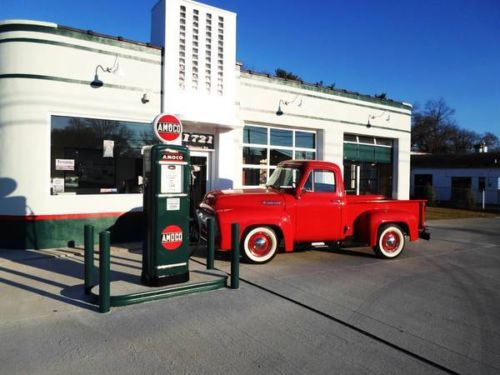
<point x="46" y="234"/>
<point x="75" y="81"/>
<point x="83" y="48"/>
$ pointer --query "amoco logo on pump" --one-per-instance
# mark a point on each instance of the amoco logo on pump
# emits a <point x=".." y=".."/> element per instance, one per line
<point x="171" y="237"/>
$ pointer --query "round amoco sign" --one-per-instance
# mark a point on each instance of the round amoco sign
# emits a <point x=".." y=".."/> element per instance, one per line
<point x="168" y="128"/>
<point x="171" y="237"/>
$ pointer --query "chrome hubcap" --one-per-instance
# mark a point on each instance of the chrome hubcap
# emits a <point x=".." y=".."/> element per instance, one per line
<point x="260" y="243"/>
<point x="391" y="241"/>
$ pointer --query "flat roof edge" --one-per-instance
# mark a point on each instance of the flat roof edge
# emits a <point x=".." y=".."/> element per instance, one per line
<point x="325" y="90"/>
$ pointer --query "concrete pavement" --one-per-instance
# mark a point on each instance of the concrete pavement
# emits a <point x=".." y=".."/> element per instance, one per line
<point x="435" y="308"/>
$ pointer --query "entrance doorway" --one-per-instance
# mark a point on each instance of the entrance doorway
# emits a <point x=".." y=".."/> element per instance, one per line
<point x="200" y="183"/>
<point x="368" y="178"/>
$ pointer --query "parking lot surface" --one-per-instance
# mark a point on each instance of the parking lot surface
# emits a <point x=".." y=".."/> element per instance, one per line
<point x="435" y="309"/>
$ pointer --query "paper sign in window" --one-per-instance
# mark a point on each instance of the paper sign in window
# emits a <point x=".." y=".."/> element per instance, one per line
<point x="107" y="148"/>
<point x="65" y="164"/>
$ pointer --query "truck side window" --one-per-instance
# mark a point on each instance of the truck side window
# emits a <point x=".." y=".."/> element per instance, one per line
<point x="324" y="182"/>
<point x="320" y="182"/>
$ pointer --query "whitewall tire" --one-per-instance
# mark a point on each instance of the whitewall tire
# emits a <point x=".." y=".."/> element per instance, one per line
<point x="260" y="245"/>
<point x="390" y="241"/>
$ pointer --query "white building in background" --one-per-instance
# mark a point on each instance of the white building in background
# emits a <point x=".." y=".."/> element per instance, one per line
<point x="76" y="107"/>
<point x="455" y="178"/>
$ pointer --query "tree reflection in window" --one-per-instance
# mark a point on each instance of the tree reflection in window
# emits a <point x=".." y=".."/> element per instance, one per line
<point x="82" y="140"/>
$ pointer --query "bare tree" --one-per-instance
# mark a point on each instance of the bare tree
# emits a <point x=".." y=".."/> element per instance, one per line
<point x="434" y="127"/>
<point x="490" y="140"/>
<point x="463" y="141"/>
<point x="434" y="130"/>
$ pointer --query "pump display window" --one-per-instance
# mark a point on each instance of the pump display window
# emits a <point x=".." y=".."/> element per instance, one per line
<point x="97" y="156"/>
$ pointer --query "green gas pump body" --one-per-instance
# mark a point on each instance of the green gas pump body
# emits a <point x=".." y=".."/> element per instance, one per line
<point x="166" y="178"/>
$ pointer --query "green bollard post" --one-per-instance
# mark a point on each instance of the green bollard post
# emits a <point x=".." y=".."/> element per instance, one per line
<point x="235" y="256"/>
<point x="88" y="256"/>
<point x="210" y="243"/>
<point x="104" y="272"/>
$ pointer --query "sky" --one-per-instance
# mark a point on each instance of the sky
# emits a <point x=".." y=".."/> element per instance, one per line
<point x="412" y="50"/>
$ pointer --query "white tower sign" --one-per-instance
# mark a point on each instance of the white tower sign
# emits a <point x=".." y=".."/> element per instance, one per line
<point x="199" y="71"/>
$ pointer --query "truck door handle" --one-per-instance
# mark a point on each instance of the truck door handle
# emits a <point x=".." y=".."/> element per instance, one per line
<point x="335" y="200"/>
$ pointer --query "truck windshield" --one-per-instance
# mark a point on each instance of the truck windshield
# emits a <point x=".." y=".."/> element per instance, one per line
<point x="284" y="178"/>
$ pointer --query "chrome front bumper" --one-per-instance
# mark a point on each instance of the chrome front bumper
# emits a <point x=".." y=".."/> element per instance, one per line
<point x="202" y="217"/>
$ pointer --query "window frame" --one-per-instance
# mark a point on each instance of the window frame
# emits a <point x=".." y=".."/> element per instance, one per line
<point x="268" y="146"/>
<point x="48" y="160"/>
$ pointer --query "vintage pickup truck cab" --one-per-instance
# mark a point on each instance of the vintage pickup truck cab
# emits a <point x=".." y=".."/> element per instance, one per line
<point x="305" y="201"/>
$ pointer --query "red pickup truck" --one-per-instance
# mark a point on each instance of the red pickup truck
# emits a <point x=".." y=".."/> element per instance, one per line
<point x="305" y="201"/>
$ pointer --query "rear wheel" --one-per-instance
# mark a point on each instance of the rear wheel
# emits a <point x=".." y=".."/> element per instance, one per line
<point x="390" y="242"/>
<point x="260" y="245"/>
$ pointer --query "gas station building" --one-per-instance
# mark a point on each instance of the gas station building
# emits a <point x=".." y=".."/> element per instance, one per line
<point x="76" y="109"/>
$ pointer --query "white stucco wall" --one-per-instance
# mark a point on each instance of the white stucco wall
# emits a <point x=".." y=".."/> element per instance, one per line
<point x="333" y="115"/>
<point x="50" y="73"/>
<point x="47" y="70"/>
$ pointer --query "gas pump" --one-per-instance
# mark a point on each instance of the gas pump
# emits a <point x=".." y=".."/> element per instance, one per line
<point x="166" y="209"/>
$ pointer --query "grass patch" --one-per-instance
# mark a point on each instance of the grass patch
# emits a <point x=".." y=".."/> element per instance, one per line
<point x="441" y="213"/>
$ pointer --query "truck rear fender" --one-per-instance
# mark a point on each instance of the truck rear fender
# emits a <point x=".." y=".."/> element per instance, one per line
<point x="376" y="218"/>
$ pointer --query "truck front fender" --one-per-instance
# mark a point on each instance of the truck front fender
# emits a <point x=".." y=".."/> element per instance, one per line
<point x="279" y="220"/>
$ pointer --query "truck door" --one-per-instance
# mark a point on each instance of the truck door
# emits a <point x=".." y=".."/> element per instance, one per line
<point x="318" y="208"/>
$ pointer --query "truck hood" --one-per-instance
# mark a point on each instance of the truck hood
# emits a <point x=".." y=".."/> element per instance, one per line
<point x="231" y="199"/>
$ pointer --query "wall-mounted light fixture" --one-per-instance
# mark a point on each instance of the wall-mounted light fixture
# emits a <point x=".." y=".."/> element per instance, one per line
<point x="280" y="112"/>
<point x="115" y="69"/>
<point x="373" y="117"/>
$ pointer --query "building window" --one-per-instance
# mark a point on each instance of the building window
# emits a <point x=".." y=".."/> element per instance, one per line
<point x="461" y="191"/>
<point x="194" y="76"/>
<point x="220" y="60"/>
<point x="208" y="54"/>
<point x="368" y="165"/>
<point x="265" y="147"/>
<point x="97" y="156"/>
<point x="182" y="48"/>
<point x="421" y="182"/>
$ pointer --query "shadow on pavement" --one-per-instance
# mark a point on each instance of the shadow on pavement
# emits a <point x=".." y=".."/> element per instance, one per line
<point x="48" y="277"/>
<point x="59" y="274"/>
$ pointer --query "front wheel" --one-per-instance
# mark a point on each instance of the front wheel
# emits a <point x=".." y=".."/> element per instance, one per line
<point x="260" y="245"/>
<point x="390" y="242"/>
